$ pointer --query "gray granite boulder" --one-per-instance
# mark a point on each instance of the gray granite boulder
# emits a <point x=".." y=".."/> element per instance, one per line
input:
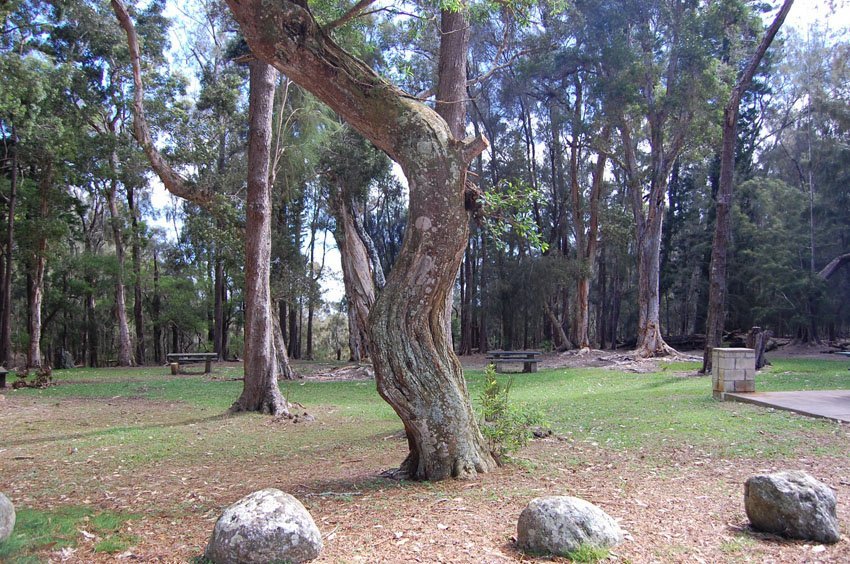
<point x="563" y="524"/>
<point x="265" y="526"/>
<point x="7" y="518"/>
<point x="792" y="504"/>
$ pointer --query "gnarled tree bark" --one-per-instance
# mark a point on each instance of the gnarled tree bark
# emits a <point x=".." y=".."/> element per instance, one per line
<point x="416" y="370"/>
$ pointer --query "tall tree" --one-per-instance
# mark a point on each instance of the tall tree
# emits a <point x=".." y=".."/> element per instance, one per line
<point x="657" y="79"/>
<point x="723" y="202"/>
<point x="258" y="391"/>
<point x="349" y="165"/>
<point x="261" y="391"/>
<point x="11" y="165"/>
<point x="416" y="370"/>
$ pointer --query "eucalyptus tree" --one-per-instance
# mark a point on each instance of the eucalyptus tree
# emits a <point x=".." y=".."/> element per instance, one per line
<point x="658" y="86"/>
<point x="43" y="126"/>
<point x="89" y="42"/>
<point x="349" y="166"/>
<point x="260" y="391"/>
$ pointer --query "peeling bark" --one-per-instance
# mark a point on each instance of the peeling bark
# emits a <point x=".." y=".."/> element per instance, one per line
<point x="356" y="273"/>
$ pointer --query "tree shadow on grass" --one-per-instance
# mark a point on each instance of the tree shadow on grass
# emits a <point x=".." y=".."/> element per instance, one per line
<point x="88" y="434"/>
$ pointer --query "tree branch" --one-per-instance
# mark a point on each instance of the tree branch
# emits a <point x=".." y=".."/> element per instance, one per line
<point x="833" y="266"/>
<point x="750" y="71"/>
<point x="215" y="203"/>
<point x="354" y="12"/>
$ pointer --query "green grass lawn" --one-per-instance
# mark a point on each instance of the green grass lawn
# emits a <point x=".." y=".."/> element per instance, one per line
<point x="617" y="409"/>
<point x="138" y="418"/>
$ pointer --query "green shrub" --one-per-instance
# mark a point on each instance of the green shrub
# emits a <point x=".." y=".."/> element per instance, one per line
<point x="506" y="427"/>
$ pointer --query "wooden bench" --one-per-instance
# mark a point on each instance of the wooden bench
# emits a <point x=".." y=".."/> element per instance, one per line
<point x="176" y="359"/>
<point x="502" y="359"/>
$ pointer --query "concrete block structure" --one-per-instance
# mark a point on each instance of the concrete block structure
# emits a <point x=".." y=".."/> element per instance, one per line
<point x="733" y="370"/>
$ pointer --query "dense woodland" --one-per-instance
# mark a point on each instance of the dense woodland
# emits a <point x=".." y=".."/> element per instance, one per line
<point x="604" y="122"/>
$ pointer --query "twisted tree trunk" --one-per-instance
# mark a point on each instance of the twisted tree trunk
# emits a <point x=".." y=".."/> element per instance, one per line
<point x="416" y="370"/>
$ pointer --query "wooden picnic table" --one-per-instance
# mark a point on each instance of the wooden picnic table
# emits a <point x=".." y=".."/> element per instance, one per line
<point x="527" y="358"/>
<point x="176" y="359"/>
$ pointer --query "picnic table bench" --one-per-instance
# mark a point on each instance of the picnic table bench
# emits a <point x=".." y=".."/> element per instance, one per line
<point x="502" y="359"/>
<point x="844" y="353"/>
<point x="176" y="359"/>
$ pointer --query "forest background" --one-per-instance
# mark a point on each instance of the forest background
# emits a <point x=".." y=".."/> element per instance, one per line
<point x="577" y="125"/>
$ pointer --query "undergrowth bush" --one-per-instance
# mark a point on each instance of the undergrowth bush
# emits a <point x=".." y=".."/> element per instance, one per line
<point x="506" y="426"/>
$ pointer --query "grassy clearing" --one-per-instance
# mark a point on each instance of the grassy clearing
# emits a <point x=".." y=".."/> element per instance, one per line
<point x="649" y="412"/>
<point x="653" y="412"/>
<point x="105" y="428"/>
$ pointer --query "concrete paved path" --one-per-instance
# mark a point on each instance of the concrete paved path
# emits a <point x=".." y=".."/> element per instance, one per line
<point x="828" y="404"/>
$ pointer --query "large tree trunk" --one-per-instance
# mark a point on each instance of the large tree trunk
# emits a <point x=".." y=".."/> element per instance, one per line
<point x="37" y="275"/>
<point x="261" y="391"/>
<point x="125" y="346"/>
<point x="356" y="273"/>
<point x="649" y="218"/>
<point x="650" y="342"/>
<point x="723" y="203"/>
<point x="451" y="95"/>
<point x="6" y="294"/>
<point x="416" y="370"/>
<point x="138" y="315"/>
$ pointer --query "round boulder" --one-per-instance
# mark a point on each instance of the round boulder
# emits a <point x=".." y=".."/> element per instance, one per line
<point x="7" y="518"/>
<point x="265" y="526"/>
<point x="792" y="504"/>
<point x="563" y="524"/>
